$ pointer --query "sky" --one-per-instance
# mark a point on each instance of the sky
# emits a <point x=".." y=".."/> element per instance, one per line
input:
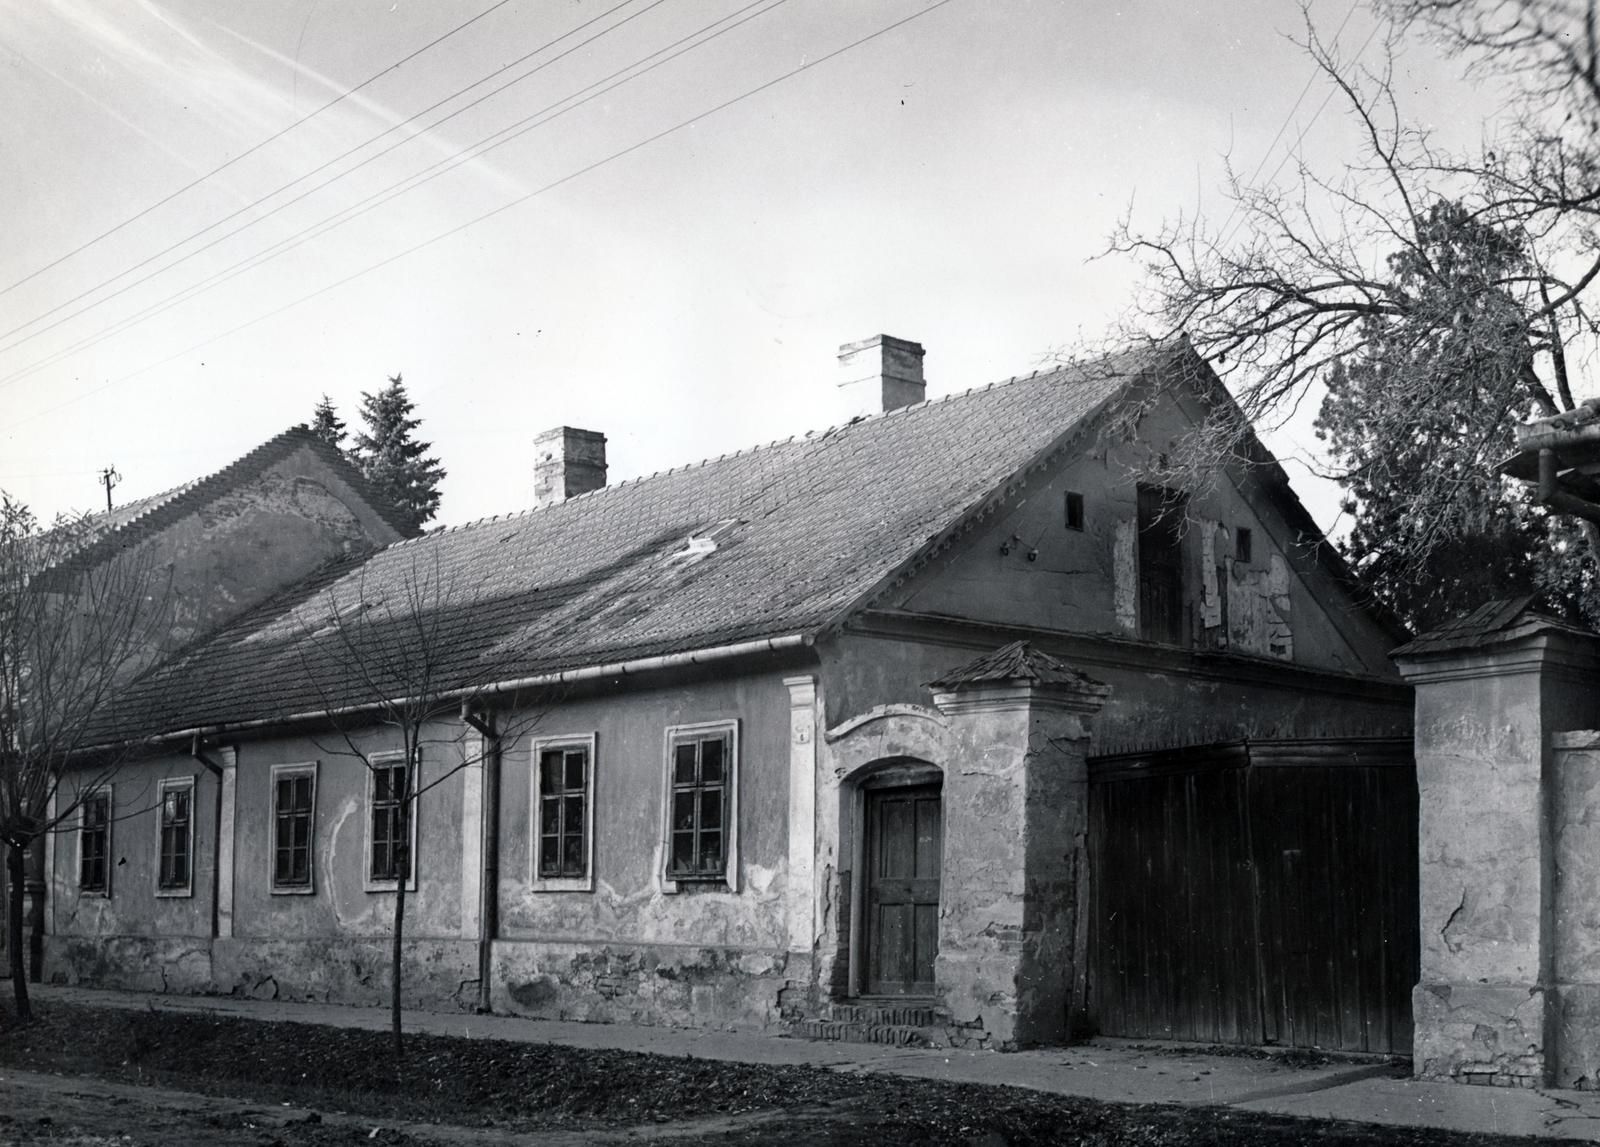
<point x="658" y="219"/>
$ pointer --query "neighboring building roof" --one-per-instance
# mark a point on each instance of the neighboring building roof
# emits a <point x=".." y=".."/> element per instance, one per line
<point x="1490" y="624"/>
<point x="129" y="524"/>
<point x="774" y="541"/>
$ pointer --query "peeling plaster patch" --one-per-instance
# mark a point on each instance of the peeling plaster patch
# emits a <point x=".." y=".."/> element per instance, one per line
<point x="760" y="878"/>
<point x="347" y="914"/>
<point x="1258" y="609"/>
<point x="1125" y="575"/>
<point x="1210" y="598"/>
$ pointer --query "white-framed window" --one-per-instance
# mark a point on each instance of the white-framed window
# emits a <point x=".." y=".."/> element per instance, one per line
<point x="389" y="855"/>
<point x="294" y="821"/>
<point x="562" y="831"/>
<point x="94" y="843"/>
<point x="700" y="822"/>
<point x="175" y="836"/>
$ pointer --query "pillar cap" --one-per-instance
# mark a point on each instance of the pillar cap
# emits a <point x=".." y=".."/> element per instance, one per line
<point x="1492" y="624"/>
<point x="1017" y="663"/>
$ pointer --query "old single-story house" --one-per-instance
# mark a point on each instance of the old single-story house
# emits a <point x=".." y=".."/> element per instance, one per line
<point x="941" y="723"/>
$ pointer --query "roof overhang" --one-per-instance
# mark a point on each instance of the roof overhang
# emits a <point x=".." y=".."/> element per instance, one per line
<point x="1561" y="455"/>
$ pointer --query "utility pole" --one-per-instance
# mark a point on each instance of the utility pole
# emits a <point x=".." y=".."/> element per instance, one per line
<point x="109" y="478"/>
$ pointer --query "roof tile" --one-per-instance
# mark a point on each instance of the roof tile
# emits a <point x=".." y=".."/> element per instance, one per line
<point x="820" y="521"/>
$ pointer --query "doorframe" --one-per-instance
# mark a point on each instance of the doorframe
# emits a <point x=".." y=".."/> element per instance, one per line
<point x="892" y="773"/>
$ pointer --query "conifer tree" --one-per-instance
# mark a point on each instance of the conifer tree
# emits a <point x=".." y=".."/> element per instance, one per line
<point x="327" y="425"/>
<point x="392" y="459"/>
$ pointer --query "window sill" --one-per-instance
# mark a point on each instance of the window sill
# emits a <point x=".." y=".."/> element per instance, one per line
<point x="94" y="894"/>
<point x="389" y="885"/>
<point x="563" y="884"/>
<point x="293" y="890"/>
<point x="675" y="885"/>
<point x="175" y="893"/>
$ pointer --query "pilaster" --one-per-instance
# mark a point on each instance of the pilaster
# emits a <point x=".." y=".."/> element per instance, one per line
<point x="1493" y="694"/>
<point x="802" y="889"/>
<point x="1016" y="819"/>
<point x="227" y="821"/>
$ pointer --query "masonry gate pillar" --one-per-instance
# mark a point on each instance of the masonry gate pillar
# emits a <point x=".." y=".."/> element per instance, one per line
<point x="1510" y="910"/>
<point x="1012" y="926"/>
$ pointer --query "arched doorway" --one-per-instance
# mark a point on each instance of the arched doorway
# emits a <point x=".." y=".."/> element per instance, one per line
<point x="902" y="843"/>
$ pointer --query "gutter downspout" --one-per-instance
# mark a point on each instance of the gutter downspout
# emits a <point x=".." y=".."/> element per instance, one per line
<point x="1552" y="495"/>
<point x="489" y="885"/>
<point x="198" y="753"/>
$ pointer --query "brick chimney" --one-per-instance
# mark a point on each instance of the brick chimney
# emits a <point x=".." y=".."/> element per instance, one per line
<point x="878" y="374"/>
<point x="567" y="462"/>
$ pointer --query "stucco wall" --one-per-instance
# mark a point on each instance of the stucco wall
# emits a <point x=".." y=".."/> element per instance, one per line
<point x="327" y="942"/>
<point x="1506" y="912"/>
<point x="631" y="948"/>
<point x="133" y="908"/>
<point x="1280" y="605"/>
<point x="265" y="534"/>
<point x="1576" y="971"/>
<point x="1159" y="696"/>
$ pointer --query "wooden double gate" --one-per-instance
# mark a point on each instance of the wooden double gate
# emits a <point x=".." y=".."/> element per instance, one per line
<point x="1257" y="893"/>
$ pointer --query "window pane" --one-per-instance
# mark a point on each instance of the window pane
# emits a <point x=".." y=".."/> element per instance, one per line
<point x="683" y="764"/>
<point x="711" y="808"/>
<point x="574" y="855"/>
<point x="550" y="856"/>
<point x="549" y="816"/>
<point x="683" y="852"/>
<point x="711" y="762"/>
<point x="550" y="771"/>
<point x="575" y="771"/>
<point x="181" y="803"/>
<point x="574" y="814"/>
<point x="683" y="810"/>
<point x="711" y="852"/>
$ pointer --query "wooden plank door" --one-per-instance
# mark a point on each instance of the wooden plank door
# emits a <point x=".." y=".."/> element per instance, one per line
<point x="1259" y="905"/>
<point x="901" y="918"/>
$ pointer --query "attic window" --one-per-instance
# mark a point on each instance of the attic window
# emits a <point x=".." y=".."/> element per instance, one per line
<point x="704" y="542"/>
<point x="1074" y="511"/>
<point x="1241" y="545"/>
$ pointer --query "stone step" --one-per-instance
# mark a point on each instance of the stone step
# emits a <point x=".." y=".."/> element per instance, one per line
<point x="910" y="1015"/>
<point x="896" y="1035"/>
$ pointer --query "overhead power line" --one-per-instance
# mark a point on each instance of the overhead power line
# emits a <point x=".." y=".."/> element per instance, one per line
<point x="569" y="177"/>
<point x="215" y="171"/>
<point x="258" y="201"/>
<point x="551" y="111"/>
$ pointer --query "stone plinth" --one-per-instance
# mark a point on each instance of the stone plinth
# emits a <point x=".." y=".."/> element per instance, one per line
<point x="1012" y="935"/>
<point x="1499" y="919"/>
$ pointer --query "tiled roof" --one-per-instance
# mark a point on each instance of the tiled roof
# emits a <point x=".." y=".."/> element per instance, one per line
<point x="128" y="524"/>
<point x="1018" y="661"/>
<point x="790" y="537"/>
<point x="1490" y="624"/>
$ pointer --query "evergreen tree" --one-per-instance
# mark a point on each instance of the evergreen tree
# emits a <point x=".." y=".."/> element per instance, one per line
<point x="1419" y="414"/>
<point x="392" y="459"/>
<point x="327" y="425"/>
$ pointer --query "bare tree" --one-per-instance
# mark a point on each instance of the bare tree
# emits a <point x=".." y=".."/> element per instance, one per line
<point x="384" y="652"/>
<point x="69" y="636"/>
<point x="1439" y="297"/>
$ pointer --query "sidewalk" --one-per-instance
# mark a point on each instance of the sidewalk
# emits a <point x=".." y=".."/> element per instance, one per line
<point x="1107" y="1069"/>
